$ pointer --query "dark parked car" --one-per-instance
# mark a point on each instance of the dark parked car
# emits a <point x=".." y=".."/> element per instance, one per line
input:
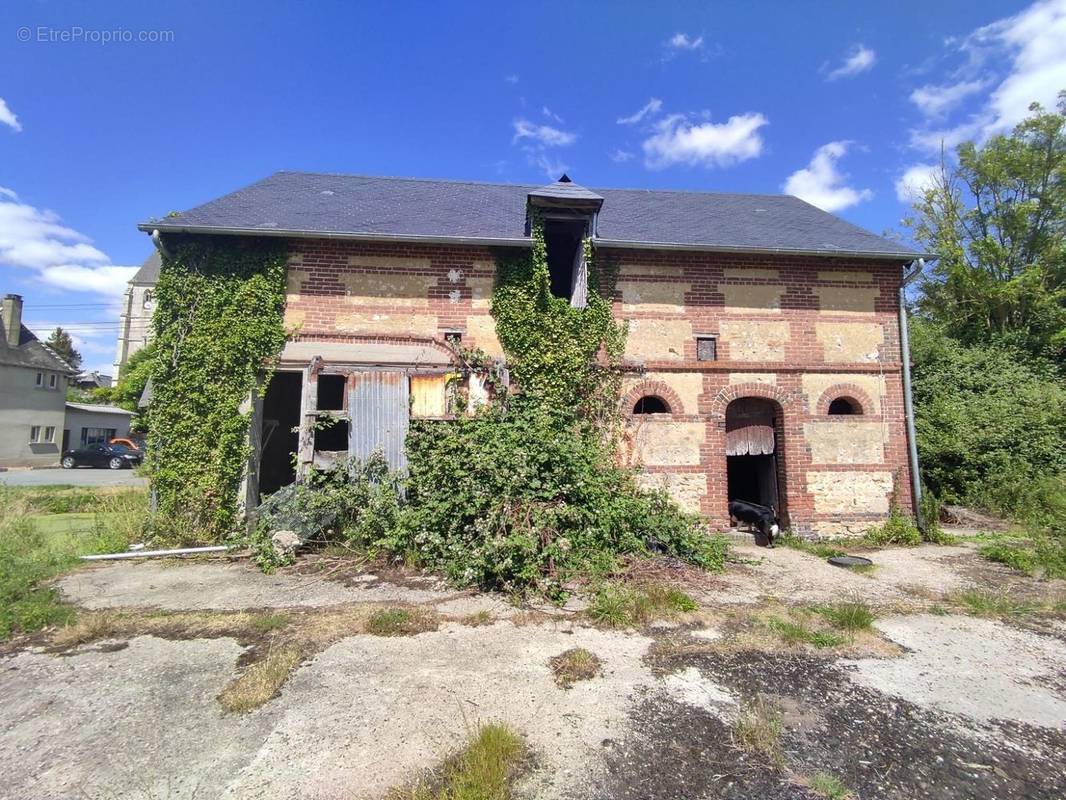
<point x="113" y="456"/>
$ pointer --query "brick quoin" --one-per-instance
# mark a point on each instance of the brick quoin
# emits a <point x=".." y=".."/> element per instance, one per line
<point x="798" y="331"/>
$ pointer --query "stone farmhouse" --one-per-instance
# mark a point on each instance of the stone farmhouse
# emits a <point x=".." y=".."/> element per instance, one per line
<point x="764" y="360"/>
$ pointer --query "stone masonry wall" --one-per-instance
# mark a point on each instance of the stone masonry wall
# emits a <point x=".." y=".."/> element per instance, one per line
<point x="797" y="331"/>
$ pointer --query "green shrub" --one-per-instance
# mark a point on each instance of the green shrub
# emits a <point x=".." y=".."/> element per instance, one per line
<point x="898" y="529"/>
<point x="523" y="497"/>
<point x="991" y="423"/>
<point x="355" y="502"/>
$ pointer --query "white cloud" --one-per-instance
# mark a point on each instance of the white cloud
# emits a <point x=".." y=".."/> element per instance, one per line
<point x="107" y="279"/>
<point x="32" y="238"/>
<point x="552" y="168"/>
<point x="651" y="108"/>
<point x="821" y="184"/>
<point x="512" y="78"/>
<point x="914" y="181"/>
<point x="7" y="117"/>
<point x="551" y="115"/>
<point x="620" y="156"/>
<point x="676" y="140"/>
<point x="544" y="135"/>
<point x="1030" y="44"/>
<point x="682" y="41"/>
<point x="859" y="59"/>
<point x="935" y="101"/>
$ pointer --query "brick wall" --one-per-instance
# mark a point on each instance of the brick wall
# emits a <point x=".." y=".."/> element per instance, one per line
<point x="796" y="331"/>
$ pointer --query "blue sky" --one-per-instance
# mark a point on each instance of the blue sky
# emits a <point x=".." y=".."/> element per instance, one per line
<point x="835" y="102"/>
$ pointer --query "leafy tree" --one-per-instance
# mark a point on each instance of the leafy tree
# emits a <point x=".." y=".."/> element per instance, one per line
<point x="63" y="344"/>
<point x="991" y="427"/>
<point x="134" y="376"/>
<point x="997" y="221"/>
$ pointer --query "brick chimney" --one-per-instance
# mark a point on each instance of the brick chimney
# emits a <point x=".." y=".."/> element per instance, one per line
<point x="11" y="308"/>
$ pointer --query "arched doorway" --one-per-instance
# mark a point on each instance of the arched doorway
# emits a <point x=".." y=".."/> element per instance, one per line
<point x="755" y="452"/>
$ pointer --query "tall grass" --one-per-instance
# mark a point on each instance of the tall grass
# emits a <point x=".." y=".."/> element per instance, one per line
<point x="42" y="533"/>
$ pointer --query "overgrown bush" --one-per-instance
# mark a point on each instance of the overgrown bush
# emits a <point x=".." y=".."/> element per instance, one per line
<point x="522" y="497"/>
<point x="991" y="424"/>
<point x="354" y="501"/>
<point x="898" y="529"/>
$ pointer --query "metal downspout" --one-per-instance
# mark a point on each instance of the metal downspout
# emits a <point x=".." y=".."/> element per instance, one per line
<point x="908" y="401"/>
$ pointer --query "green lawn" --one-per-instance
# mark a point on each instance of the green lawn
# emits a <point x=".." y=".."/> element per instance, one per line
<point x="42" y="533"/>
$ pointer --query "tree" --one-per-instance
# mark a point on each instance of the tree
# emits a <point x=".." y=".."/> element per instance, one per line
<point x="63" y="344"/>
<point x="997" y="221"/>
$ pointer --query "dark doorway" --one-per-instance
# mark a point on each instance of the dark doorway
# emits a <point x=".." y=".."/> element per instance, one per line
<point x="753" y="478"/>
<point x="281" y="419"/>
<point x="753" y="450"/>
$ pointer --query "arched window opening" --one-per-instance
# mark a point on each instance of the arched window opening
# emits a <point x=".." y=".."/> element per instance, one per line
<point x="651" y="405"/>
<point x="844" y="406"/>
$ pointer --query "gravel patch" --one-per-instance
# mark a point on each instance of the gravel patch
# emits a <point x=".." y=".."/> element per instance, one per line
<point x="794" y="577"/>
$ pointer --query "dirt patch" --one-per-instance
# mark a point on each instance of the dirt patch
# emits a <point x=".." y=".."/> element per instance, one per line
<point x="878" y="746"/>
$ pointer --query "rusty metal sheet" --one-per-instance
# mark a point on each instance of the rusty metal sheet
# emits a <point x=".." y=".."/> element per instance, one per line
<point x="429" y="395"/>
<point x="378" y="408"/>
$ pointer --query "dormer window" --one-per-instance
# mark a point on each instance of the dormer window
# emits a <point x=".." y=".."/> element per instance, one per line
<point x="568" y="213"/>
<point x="566" y="259"/>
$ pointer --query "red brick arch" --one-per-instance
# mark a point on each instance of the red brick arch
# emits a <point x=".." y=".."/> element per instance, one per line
<point x="848" y="391"/>
<point x="767" y="391"/>
<point x="654" y="389"/>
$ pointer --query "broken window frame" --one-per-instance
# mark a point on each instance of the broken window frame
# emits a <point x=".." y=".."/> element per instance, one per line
<point x="578" y="296"/>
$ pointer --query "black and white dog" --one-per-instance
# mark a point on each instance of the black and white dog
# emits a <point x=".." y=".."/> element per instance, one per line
<point x="763" y="518"/>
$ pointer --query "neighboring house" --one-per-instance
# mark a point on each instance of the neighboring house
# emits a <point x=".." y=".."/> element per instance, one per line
<point x="763" y="357"/>
<point x="92" y="380"/>
<point x="135" y="319"/>
<point x="33" y="392"/>
<point x="94" y="424"/>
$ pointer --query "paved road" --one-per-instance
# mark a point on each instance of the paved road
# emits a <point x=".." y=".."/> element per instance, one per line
<point x="83" y="476"/>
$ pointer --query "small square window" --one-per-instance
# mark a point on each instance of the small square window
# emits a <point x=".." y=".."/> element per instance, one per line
<point x="706" y="348"/>
<point x="35" y="434"/>
<point x="40" y="379"/>
<point x="50" y="433"/>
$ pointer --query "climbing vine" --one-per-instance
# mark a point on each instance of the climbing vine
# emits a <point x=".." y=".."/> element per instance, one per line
<point x="558" y="355"/>
<point x="217" y="325"/>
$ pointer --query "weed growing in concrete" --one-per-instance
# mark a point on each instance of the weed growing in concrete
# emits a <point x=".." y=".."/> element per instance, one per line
<point x="798" y="633"/>
<point x="819" y="549"/>
<point x="483" y="770"/>
<point x="617" y="605"/>
<point x="268" y="623"/>
<point x="400" y="622"/>
<point x="576" y="664"/>
<point x="988" y="603"/>
<point x="849" y="615"/>
<point x="758" y="729"/>
<point x="829" y="786"/>
<point x="261" y="681"/>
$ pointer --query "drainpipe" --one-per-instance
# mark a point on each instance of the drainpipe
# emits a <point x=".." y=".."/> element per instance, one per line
<point x="908" y="401"/>
<point x="157" y="240"/>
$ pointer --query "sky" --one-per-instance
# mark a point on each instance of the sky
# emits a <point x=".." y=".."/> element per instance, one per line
<point x="112" y="113"/>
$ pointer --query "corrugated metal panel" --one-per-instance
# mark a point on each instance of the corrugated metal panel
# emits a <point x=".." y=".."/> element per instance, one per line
<point x="378" y="405"/>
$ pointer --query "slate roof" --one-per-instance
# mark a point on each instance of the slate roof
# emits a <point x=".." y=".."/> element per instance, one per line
<point x="30" y="352"/>
<point x="149" y="271"/>
<point x="360" y="206"/>
<point x="100" y="409"/>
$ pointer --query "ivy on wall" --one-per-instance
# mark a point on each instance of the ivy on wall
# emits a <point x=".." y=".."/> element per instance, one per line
<point x="564" y="357"/>
<point x="217" y="325"/>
